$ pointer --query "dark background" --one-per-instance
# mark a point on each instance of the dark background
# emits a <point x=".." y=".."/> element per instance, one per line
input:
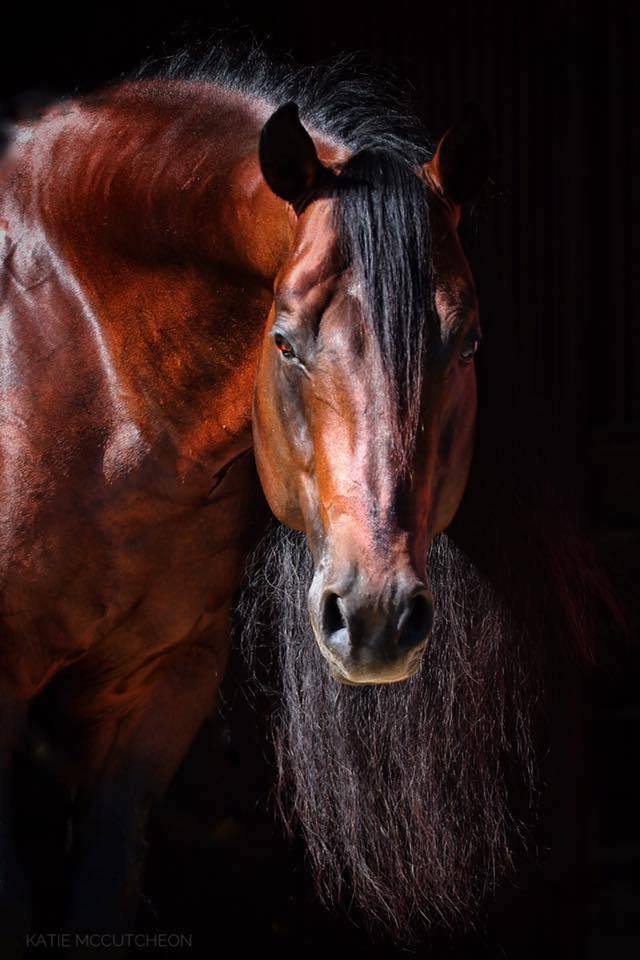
<point x="553" y="253"/>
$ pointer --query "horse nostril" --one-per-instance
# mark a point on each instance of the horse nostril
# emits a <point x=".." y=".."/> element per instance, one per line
<point x="416" y="622"/>
<point x="332" y="618"/>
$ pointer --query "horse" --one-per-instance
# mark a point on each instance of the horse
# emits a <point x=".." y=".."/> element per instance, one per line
<point x="236" y="292"/>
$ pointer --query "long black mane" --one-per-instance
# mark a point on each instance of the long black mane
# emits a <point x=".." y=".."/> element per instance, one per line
<point x="337" y="97"/>
<point x="405" y="793"/>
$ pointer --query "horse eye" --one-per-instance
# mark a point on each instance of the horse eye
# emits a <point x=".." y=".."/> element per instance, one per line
<point x="469" y="348"/>
<point x="284" y="346"/>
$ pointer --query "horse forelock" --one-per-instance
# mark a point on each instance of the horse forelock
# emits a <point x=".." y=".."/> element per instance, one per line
<point x="382" y="218"/>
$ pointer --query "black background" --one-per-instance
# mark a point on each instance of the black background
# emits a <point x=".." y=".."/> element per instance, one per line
<point x="553" y="255"/>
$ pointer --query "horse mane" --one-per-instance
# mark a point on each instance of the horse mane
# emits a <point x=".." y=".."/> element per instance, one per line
<point x="402" y="791"/>
<point x="338" y="97"/>
<point x="416" y="801"/>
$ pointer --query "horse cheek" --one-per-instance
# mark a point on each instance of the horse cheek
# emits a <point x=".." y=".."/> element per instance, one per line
<point x="274" y="465"/>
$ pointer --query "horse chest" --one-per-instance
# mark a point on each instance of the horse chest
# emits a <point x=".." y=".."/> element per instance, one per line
<point x="128" y="576"/>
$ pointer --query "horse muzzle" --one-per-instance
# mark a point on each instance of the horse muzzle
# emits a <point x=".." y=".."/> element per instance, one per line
<point x="372" y="636"/>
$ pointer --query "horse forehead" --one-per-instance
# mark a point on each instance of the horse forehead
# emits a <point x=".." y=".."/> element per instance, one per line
<point x="303" y="275"/>
<point x="307" y="286"/>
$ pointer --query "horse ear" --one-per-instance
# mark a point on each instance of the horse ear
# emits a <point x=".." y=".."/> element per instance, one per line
<point x="463" y="157"/>
<point x="288" y="157"/>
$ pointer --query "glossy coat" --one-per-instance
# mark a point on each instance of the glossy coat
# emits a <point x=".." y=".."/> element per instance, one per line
<point x="145" y="259"/>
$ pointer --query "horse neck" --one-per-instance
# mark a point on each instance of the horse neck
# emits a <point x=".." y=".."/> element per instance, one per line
<point x="163" y="169"/>
<point x="158" y="209"/>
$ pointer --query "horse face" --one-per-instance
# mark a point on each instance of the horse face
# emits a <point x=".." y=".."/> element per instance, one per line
<point x="326" y="439"/>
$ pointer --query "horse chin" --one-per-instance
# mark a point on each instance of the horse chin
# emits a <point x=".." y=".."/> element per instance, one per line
<point x="372" y="678"/>
<point x="379" y="681"/>
<point x="386" y="674"/>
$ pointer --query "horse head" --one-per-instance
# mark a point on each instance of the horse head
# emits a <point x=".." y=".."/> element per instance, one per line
<point x="365" y="397"/>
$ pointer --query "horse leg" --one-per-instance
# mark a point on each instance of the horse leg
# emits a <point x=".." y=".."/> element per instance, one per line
<point x="14" y="902"/>
<point x="140" y="754"/>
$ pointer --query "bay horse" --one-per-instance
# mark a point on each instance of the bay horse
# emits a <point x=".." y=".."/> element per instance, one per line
<point x="226" y="283"/>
